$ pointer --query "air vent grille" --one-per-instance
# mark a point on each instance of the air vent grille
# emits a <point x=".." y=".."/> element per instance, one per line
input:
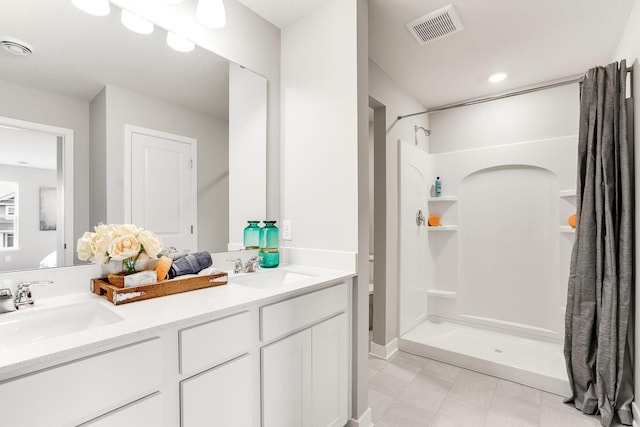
<point x="15" y="46"/>
<point x="435" y="25"/>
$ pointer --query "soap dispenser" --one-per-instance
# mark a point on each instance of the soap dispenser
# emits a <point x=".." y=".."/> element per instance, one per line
<point x="269" y="240"/>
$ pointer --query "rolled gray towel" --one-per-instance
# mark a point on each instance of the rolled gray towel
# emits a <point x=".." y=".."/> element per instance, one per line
<point x="190" y="264"/>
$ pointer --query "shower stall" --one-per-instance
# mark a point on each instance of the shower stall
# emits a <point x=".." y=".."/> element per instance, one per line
<point x="486" y="289"/>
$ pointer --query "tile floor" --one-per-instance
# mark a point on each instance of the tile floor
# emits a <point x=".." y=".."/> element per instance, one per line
<point x="411" y="391"/>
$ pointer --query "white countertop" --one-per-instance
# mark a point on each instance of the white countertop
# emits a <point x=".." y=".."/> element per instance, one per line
<point x="144" y="317"/>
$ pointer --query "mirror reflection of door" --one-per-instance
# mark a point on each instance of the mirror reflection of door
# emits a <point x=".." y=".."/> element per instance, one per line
<point x="160" y="185"/>
<point x="32" y="222"/>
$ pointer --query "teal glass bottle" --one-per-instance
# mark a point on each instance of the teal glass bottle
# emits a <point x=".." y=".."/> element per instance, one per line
<point x="252" y="235"/>
<point x="269" y="241"/>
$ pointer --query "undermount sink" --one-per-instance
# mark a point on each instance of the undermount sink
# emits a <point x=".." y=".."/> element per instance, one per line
<point x="269" y="279"/>
<point x="30" y="325"/>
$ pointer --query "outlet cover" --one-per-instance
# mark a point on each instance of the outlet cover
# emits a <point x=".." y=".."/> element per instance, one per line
<point x="286" y="229"/>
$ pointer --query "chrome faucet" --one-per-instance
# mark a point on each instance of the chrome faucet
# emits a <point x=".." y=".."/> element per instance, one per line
<point x="237" y="265"/>
<point x="251" y="266"/>
<point x="23" y="293"/>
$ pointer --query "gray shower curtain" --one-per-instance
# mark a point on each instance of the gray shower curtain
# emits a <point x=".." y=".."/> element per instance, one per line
<point x="598" y="328"/>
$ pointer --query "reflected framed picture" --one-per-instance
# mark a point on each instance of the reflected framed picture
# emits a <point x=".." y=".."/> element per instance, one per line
<point x="47" y="208"/>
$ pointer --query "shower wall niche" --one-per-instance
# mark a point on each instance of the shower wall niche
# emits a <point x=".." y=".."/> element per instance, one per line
<point x="500" y="260"/>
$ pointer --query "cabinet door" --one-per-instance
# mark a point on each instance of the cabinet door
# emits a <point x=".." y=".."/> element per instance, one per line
<point x="286" y="382"/>
<point x="222" y="396"/>
<point x="330" y="372"/>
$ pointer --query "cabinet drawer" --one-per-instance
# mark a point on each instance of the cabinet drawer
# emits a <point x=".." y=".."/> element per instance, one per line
<point x="75" y="392"/>
<point x="209" y="344"/>
<point x="144" y="412"/>
<point x="281" y="318"/>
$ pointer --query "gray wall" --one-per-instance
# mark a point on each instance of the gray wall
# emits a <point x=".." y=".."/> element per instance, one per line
<point x="125" y="107"/>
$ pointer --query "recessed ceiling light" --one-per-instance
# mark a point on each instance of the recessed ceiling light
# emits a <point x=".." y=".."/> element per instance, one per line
<point x="93" y="7"/>
<point x="136" y="23"/>
<point x="179" y="43"/>
<point x="211" y="13"/>
<point x="497" y="77"/>
<point x="15" y="46"/>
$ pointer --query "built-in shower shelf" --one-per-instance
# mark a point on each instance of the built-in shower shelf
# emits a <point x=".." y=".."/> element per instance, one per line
<point x="443" y="199"/>
<point x="443" y="228"/>
<point x="441" y="294"/>
<point x="568" y="193"/>
<point x="567" y="229"/>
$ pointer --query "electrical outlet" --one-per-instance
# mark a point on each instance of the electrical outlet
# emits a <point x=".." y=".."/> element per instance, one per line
<point x="286" y="229"/>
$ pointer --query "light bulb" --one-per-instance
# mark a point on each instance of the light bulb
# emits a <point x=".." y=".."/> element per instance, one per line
<point x="179" y="43"/>
<point x="497" y="77"/>
<point x="136" y="23"/>
<point x="211" y="13"/>
<point x="93" y="7"/>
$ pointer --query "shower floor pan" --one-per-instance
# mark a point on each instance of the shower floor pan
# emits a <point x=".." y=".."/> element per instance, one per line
<point x="535" y="363"/>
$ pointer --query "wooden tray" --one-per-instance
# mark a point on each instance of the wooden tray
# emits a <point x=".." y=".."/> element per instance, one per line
<point x="117" y="295"/>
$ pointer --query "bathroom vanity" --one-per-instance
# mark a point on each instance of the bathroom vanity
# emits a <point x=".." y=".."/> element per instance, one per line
<point x="270" y="348"/>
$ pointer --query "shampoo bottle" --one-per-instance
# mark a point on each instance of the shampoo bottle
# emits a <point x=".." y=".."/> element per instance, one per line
<point x="438" y="187"/>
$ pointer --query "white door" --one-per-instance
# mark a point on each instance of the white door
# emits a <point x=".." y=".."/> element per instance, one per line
<point x="415" y="185"/>
<point x="161" y="185"/>
<point x="286" y="382"/>
<point x="330" y="377"/>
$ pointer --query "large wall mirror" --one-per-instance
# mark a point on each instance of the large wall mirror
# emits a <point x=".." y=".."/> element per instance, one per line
<point x="87" y="79"/>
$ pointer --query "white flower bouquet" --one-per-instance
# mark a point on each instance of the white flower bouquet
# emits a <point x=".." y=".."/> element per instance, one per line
<point x="124" y="242"/>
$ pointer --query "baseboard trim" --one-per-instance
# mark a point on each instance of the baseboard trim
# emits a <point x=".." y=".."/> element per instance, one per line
<point x="365" y="420"/>
<point x="384" y="351"/>
<point x="635" y="410"/>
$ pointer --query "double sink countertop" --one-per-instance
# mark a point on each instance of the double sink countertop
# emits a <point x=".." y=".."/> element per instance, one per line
<point x="58" y="328"/>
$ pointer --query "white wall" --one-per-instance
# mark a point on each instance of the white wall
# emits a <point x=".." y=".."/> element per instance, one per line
<point x="397" y="102"/>
<point x="125" y="107"/>
<point x="629" y="48"/>
<point x="25" y="103"/>
<point x="33" y="244"/>
<point x="535" y="116"/>
<point x="319" y="128"/>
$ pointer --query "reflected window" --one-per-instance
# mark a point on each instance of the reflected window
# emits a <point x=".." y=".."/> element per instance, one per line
<point x="8" y="214"/>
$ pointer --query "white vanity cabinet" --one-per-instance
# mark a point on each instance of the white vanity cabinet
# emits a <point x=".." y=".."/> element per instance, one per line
<point x="219" y="389"/>
<point x="305" y="375"/>
<point x="82" y="390"/>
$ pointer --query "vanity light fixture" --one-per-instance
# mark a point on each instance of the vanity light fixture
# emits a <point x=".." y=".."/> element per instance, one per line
<point x="93" y="7"/>
<point x="211" y="13"/>
<point x="136" y="23"/>
<point x="15" y="46"/>
<point x="497" y="77"/>
<point x="179" y="43"/>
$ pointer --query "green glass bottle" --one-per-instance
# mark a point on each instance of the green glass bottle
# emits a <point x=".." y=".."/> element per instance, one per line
<point x="269" y="241"/>
<point x="252" y="235"/>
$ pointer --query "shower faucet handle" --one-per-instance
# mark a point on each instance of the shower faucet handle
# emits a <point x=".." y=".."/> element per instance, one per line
<point x="420" y="220"/>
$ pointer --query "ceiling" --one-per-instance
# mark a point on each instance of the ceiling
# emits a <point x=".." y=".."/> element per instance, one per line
<point x="532" y="41"/>
<point x="76" y="55"/>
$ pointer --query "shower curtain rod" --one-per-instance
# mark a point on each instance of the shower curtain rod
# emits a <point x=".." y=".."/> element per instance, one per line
<point x="502" y="96"/>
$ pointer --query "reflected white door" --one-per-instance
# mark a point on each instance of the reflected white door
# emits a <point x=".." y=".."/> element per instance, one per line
<point x="415" y="184"/>
<point x="161" y="185"/>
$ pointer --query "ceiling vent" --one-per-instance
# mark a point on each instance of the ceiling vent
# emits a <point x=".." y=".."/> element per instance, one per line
<point x="435" y="25"/>
<point x="15" y="46"/>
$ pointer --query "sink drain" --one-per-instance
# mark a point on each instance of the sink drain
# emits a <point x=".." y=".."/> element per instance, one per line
<point x="497" y="350"/>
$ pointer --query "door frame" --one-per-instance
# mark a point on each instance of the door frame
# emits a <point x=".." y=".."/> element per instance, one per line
<point x="129" y="131"/>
